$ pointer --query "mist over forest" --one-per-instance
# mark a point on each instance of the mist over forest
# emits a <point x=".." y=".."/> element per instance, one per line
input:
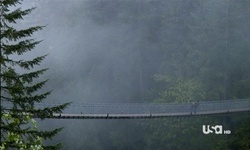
<point x="145" y="51"/>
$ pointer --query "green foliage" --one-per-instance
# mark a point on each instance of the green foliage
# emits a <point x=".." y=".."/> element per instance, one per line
<point x="180" y="90"/>
<point x="18" y="128"/>
<point x="14" y="136"/>
<point x="200" y="67"/>
<point x="241" y="88"/>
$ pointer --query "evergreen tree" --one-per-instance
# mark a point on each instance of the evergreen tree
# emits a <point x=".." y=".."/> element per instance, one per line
<point x="19" y="91"/>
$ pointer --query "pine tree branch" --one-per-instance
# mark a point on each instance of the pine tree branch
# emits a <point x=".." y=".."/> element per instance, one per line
<point x="26" y="64"/>
<point x="19" y="48"/>
<point x="31" y="132"/>
<point x="48" y="134"/>
<point x="47" y="112"/>
<point x="8" y="74"/>
<point x="13" y="35"/>
<point x="30" y="99"/>
<point x="30" y="64"/>
<point x="24" y="89"/>
<point x="34" y="88"/>
<point x="8" y="3"/>
<point x="28" y="77"/>
<point x="16" y="14"/>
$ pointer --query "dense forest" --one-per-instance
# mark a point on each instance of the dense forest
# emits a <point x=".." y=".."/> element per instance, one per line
<point x="141" y="51"/>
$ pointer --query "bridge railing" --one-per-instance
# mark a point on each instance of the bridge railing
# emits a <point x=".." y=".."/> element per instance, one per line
<point x="142" y="108"/>
<point x="150" y="108"/>
<point x="229" y="105"/>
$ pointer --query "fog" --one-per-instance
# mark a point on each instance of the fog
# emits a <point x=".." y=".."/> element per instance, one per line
<point x="139" y="51"/>
<point x="87" y="55"/>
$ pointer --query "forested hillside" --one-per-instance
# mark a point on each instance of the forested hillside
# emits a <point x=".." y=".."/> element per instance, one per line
<point x="149" y="51"/>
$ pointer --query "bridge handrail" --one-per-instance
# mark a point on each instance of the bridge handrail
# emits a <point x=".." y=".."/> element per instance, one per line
<point x="140" y="104"/>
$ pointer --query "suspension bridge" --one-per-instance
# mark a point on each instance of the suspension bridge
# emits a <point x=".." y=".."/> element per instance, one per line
<point x="147" y="110"/>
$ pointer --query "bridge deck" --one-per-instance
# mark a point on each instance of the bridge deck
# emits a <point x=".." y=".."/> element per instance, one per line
<point x="145" y="110"/>
<point x="138" y="116"/>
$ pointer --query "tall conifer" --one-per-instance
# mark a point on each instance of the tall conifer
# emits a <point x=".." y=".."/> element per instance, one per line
<point x="19" y="91"/>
